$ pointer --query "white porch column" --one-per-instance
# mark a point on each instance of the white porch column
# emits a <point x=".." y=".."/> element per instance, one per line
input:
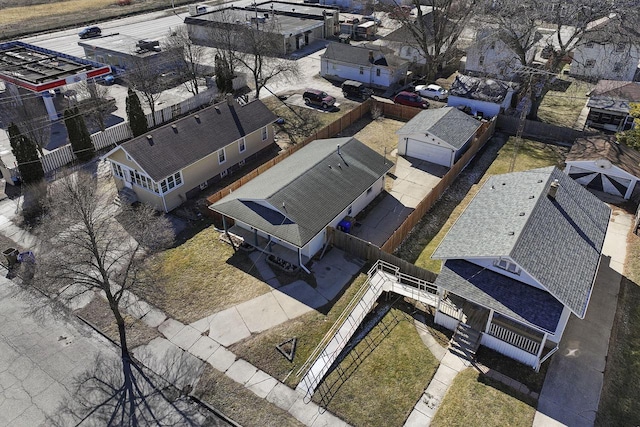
<point x="51" y="108"/>
<point x="489" y="320"/>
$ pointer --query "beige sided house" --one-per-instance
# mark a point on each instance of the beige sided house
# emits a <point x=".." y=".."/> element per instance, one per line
<point x="175" y="162"/>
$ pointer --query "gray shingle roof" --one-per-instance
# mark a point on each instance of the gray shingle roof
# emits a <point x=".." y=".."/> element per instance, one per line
<point x="558" y="242"/>
<point x="505" y="295"/>
<point x="449" y="124"/>
<point x="359" y="55"/>
<point x="296" y="199"/>
<point x="177" y="145"/>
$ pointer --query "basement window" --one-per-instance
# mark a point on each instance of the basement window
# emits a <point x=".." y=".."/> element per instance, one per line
<point x="507" y="265"/>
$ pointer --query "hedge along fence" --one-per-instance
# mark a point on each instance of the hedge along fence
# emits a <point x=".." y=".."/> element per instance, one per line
<point x="329" y="131"/>
<point x="482" y="136"/>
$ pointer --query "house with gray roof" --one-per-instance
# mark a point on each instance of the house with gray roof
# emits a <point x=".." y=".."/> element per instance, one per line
<point x="174" y="162"/>
<point x="291" y="204"/>
<point x="438" y="136"/>
<point x="481" y="96"/>
<point x="520" y="259"/>
<point x="375" y="66"/>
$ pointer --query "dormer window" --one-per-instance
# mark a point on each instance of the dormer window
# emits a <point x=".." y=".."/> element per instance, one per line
<point x="507" y="265"/>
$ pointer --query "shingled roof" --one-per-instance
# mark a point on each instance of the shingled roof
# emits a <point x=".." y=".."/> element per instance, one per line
<point x="557" y="240"/>
<point x="448" y="123"/>
<point x="170" y="148"/>
<point x="482" y="89"/>
<point x="360" y="55"/>
<point x="296" y="199"/>
<point x="605" y="147"/>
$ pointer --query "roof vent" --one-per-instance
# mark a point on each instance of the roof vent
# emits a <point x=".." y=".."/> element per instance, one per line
<point x="338" y="149"/>
<point x="511" y="233"/>
<point x="197" y="117"/>
<point x="521" y="214"/>
<point x="150" y="139"/>
<point x="553" y="189"/>
<point x="532" y="197"/>
<point x="175" y="128"/>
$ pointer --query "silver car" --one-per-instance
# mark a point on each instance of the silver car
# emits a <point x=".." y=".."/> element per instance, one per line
<point x="432" y="91"/>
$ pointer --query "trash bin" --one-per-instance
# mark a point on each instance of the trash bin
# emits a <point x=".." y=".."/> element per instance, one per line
<point x="11" y="254"/>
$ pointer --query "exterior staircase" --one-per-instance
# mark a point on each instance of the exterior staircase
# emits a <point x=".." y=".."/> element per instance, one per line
<point x="465" y="341"/>
<point x="125" y="196"/>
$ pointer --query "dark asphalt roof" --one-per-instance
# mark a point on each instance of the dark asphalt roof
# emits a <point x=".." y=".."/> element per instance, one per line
<point x="296" y="199"/>
<point x="556" y="241"/>
<point x="505" y="295"/>
<point x="606" y="147"/>
<point x="359" y="55"/>
<point x="482" y="89"/>
<point x="448" y="123"/>
<point x="176" y="145"/>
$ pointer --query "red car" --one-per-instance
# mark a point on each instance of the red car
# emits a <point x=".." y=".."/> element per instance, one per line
<point x="411" y="99"/>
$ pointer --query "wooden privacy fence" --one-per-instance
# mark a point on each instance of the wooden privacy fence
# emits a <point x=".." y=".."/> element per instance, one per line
<point x="544" y="132"/>
<point x="370" y="252"/>
<point x="482" y="136"/>
<point x="328" y="131"/>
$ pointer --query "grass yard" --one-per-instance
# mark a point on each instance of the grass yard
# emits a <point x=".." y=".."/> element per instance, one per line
<point x="513" y="369"/>
<point x="98" y="313"/>
<point x="301" y="122"/>
<point x="477" y="400"/>
<point x="238" y="403"/>
<point x="378" y="134"/>
<point x="20" y="17"/>
<point x="563" y="108"/>
<point x="309" y="329"/>
<point x="530" y="155"/>
<point x="619" y="404"/>
<point x="202" y="276"/>
<point x="381" y="379"/>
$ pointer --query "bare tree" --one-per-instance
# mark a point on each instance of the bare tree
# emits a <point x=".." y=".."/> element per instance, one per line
<point x="96" y="104"/>
<point x="27" y="110"/>
<point x="434" y="34"/>
<point x="187" y="57"/>
<point x="260" y="55"/>
<point x="573" y="25"/>
<point x="87" y="249"/>
<point x="147" y="82"/>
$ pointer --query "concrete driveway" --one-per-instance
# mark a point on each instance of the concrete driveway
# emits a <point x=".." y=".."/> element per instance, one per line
<point x="413" y="180"/>
<point x="571" y="392"/>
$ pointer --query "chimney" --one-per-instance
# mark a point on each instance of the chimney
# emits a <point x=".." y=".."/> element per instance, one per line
<point x="553" y="189"/>
<point x="338" y="149"/>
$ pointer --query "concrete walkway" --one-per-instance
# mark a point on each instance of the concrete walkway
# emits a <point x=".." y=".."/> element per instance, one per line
<point x="571" y="392"/>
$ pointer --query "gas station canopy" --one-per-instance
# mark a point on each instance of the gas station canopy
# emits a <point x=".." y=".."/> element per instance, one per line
<point x="39" y="70"/>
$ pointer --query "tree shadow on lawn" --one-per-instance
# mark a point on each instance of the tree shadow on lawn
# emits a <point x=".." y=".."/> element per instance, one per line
<point x="437" y="216"/>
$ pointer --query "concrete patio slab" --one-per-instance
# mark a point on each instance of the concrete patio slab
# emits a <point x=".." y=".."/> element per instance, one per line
<point x="291" y="306"/>
<point x="306" y="413"/>
<point x="304" y="293"/>
<point x="262" y="313"/>
<point x="154" y="318"/>
<point x="186" y="337"/>
<point x="261" y="384"/>
<point x="204" y="324"/>
<point x="228" y="327"/>
<point x="241" y="371"/>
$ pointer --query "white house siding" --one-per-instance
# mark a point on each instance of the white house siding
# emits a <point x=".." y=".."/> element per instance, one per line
<point x="446" y="321"/>
<point x="493" y="57"/>
<point x="509" y="350"/>
<point x="330" y="68"/>
<point x="488" y="109"/>
<point x="489" y="264"/>
<point x="604" y="61"/>
<point x="613" y="172"/>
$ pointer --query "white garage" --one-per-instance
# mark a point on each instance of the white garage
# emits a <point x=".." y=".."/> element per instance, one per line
<point x="439" y="154"/>
<point x="602" y="164"/>
<point x="438" y="136"/>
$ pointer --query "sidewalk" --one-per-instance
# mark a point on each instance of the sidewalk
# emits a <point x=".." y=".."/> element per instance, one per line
<point x="571" y="392"/>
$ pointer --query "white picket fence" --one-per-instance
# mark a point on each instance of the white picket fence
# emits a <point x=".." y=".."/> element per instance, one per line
<point x="113" y="135"/>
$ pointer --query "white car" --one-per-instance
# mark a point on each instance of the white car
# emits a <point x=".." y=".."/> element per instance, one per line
<point x="432" y="91"/>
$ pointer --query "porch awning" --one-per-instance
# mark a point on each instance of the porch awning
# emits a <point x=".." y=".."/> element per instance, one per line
<point x="506" y="296"/>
